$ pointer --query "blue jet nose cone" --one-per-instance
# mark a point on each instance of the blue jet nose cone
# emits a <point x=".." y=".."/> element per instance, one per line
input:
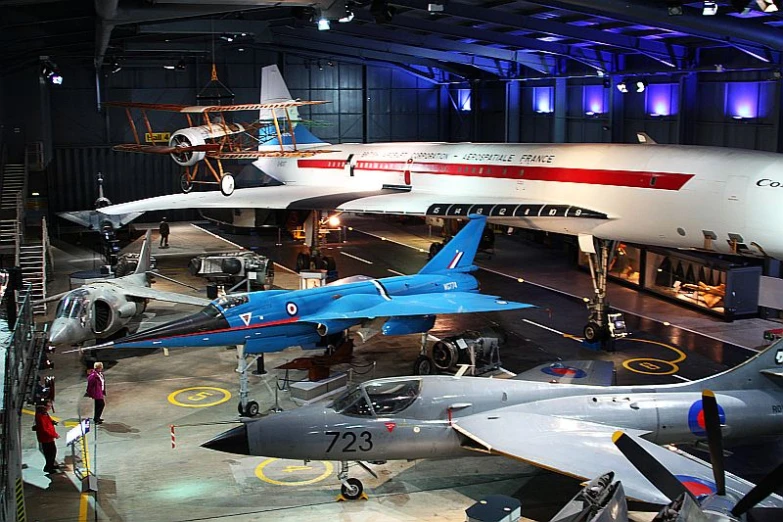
<point x="231" y="441"/>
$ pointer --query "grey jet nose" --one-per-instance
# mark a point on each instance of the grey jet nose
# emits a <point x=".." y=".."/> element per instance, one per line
<point x="65" y="331"/>
<point x="231" y="441"/>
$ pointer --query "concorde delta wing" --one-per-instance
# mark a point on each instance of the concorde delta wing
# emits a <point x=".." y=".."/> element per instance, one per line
<point x="355" y="198"/>
<point x="159" y="295"/>
<point x="369" y="307"/>
<point x="583" y="450"/>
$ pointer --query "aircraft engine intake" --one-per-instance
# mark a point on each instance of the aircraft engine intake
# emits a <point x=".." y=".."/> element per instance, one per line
<point x="450" y="351"/>
<point x="332" y="327"/>
<point x="102" y="316"/>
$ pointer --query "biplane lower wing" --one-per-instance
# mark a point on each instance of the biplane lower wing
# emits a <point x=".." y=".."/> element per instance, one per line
<point x="165" y="149"/>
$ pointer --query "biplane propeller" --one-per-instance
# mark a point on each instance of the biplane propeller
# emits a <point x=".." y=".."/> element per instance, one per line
<point x="217" y="139"/>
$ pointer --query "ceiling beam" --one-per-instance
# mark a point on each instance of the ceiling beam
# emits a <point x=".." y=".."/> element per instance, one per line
<point x="677" y="53"/>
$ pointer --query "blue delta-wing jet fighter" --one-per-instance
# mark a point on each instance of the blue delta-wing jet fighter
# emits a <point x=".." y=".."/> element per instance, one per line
<point x="269" y="321"/>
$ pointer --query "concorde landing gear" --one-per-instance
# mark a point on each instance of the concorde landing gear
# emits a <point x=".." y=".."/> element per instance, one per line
<point x="602" y="327"/>
<point x="245" y="407"/>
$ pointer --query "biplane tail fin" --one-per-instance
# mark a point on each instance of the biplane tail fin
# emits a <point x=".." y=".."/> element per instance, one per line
<point x="274" y="89"/>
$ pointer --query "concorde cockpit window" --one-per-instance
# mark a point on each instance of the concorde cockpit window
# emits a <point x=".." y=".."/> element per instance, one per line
<point x="230" y="301"/>
<point x="392" y="397"/>
<point x="352" y="403"/>
<point x="74" y="304"/>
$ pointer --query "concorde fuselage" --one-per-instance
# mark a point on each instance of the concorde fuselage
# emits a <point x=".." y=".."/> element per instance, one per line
<point x="667" y="195"/>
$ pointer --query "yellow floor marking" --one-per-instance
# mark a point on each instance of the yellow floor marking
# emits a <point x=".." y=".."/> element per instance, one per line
<point x="291" y="469"/>
<point x="328" y="470"/>
<point x="200" y="393"/>
<point x="31" y="412"/>
<point x="652" y="363"/>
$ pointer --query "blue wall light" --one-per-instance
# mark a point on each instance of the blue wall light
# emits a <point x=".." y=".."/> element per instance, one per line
<point x="595" y="99"/>
<point x="463" y="99"/>
<point x="662" y="99"/>
<point x="543" y="102"/>
<point x="743" y="100"/>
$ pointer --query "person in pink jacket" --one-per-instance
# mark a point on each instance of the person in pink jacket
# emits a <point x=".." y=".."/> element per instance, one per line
<point x="96" y="390"/>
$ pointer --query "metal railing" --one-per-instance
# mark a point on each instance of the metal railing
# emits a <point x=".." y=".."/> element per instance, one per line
<point x="34" y="155"/>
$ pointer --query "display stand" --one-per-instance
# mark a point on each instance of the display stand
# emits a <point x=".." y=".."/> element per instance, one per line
<point x="312" y="279"/>
<point x="76" y="438"/>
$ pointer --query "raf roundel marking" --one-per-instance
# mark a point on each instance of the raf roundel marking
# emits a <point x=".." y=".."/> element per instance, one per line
<point x="290" y="470"/>
<point x="199" y="397"/>
<point x="564" y="371"/>
<point x="291" y="308"/>
<point x="696" y="485"/>
<point x="696" y="418"/>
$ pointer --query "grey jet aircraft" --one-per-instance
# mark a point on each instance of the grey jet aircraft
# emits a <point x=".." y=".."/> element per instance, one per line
<point x="562" y="427"/>
<point x="100" y="309"/>
<point x="95" y="220"/>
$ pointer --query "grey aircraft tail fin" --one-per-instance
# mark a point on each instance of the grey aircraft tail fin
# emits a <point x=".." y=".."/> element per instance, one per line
<point x="145" y="256"/>
<point x="763" y="370"/>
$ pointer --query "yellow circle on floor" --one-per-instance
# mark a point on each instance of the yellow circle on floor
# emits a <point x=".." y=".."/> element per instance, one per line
<point x="199" y="397"/>
<point x="279" y="468"/>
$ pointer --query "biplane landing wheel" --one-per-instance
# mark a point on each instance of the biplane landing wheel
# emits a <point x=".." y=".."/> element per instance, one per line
<point x="227" y="184"/>
<point x="185" y="183"/>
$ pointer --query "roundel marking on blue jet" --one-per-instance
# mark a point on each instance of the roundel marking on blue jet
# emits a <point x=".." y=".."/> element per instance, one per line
<point x="696" y="418"/>
<point x="560" y="370"/>
<point x="697" y="486"/>
<point x="291" y="308"/>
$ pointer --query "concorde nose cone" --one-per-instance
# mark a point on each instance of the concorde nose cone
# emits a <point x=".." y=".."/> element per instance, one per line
<point x="231" y="441"/>
<point x="64" y="331"/>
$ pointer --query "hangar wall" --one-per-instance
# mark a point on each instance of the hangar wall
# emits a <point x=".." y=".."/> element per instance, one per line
<point x="376" y="103"/>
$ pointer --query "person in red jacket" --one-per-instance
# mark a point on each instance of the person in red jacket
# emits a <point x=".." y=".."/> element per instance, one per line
<point x="46" y="434"/>
<point x="96" y="390"/>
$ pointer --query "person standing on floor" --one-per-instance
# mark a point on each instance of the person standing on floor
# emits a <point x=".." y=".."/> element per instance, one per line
<point x="164" y="233"/>
<point x="46" y="435"/>
<point x="96" y="390"/>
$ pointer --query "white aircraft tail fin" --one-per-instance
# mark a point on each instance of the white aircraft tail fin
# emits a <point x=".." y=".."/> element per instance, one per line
<point x="274" y="89"/>
<point x="645" y="139"/>
<point x="145" y="256"/>
<point x="759" y="372"/>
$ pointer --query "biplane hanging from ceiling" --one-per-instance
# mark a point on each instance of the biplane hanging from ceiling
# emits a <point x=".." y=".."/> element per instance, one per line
<point x="216" y="139"/>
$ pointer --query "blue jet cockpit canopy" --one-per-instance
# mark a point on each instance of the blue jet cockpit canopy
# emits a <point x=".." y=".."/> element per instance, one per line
<point x="378" y="398"/>
<point x="232" y="300"/>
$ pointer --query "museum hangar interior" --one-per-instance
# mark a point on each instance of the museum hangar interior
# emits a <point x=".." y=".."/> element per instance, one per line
<point x="625" y="154"/>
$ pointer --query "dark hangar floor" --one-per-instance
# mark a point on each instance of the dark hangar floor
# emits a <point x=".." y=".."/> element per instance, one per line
<point x="142" y="478"/>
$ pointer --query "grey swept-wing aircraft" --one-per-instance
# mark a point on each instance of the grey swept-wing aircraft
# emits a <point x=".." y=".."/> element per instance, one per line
<point x="100" y="309"/>
<point x="93" y="219"/>
<point x="561" y="427"/>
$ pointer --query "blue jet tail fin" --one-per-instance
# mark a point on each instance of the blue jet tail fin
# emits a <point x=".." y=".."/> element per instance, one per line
<point x="458" y="253"/>
<point x="145" y="256"/>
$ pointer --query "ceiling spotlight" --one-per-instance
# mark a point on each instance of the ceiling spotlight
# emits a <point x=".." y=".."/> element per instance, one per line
<point x="50" y="71"/>
<point x="324" y="24"/>
<point x="115" y="67"/>
<point x="710" y="8"/>
<point x="181" y="65"/>
<point x="767" y="6"/>
<point x="169" y="67"/>
<point x="674" y="8"/>
<point x="640" y="86"/>
<point x="622" y="87"/>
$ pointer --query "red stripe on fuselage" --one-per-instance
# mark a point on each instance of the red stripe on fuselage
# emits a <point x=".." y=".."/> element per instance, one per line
<point x="618" y="178"/>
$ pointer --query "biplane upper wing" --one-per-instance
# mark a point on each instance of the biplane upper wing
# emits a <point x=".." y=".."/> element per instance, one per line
<point x="255" y="154"/>
<point x="170" y="107"/>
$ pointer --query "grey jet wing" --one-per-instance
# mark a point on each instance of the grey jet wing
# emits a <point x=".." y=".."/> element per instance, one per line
<point x="583" y="450"/>
<point x="593" y="373"/>
<point x="143" y="292"/>
<point x="93" y="219"/>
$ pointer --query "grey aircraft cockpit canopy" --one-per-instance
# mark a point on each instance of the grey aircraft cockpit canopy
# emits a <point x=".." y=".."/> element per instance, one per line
<point x="74" y="304"/>
<point x="378" y="398"/>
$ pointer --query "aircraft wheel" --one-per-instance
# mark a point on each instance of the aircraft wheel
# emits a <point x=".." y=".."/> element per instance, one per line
<point x="251" y="410"/>
<point x="593" y="332"/>
<point x="227" y="184"/>
<point x="423" y="366"/>
<point x="185" y="184"/>
<point x="352" y="488"/>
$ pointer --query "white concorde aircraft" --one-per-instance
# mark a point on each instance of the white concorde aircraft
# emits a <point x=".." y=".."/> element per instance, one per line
<point x="715" y="199"/>
<point x="711" y="198"/>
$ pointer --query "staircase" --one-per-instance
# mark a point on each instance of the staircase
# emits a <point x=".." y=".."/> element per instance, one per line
<point x="13" y="182"/>
<point x="32" y="261"/>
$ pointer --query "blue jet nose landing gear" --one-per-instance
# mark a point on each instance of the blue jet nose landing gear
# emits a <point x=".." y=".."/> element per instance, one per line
<point x="245" y="407"/>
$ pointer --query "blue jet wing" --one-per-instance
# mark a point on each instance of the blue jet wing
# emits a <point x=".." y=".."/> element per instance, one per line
<point x="372" y="306"/>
